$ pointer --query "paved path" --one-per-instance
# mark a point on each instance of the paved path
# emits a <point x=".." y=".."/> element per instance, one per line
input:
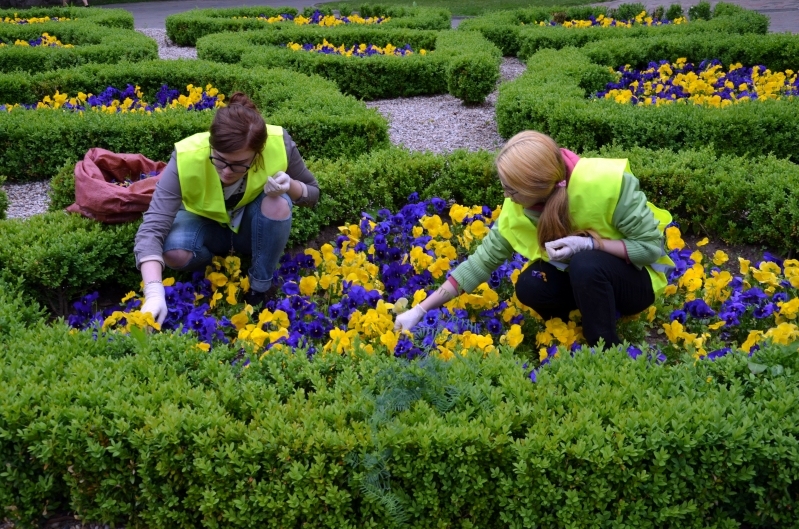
<point x="784" y="14"/>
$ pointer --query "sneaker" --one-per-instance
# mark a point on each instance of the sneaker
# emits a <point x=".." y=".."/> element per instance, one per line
<point x="256" y="298"/>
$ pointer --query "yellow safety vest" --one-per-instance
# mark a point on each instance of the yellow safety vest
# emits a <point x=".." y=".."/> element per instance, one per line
<point x="200" y="186"/>
<point x="593" y="191"/>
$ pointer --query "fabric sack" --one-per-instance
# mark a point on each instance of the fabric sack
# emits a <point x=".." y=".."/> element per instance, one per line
<point x="114" y="187"/>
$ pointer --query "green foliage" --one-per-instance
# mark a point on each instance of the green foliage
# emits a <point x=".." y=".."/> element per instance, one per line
<point x="157" y="433"/>
<point x="62" y="187"/>
<point x="553" y="97"/>
<point x="675" y="11"/>
<point x="700" y="11"/>
<point x="111" y="18"/>
<point x="3" y="199"/>
<point x="627" y="11"/>
<point x="57" y="257"/>
<point x="186" y="28"/>
<point x="463" y="63"/>
<point x="18" y="310"/>
<point x="516" y="32"/>
<point x="92" y="44"/>
<point x="35" y="144"/>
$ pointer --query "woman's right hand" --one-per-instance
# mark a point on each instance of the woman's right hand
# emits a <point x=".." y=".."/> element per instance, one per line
<point x="155" y="301"/>
<point x="408" y="320"/>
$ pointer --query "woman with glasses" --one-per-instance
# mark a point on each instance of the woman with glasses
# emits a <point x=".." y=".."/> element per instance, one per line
<point x="593" y="241"/>
<point x="229" y="189"/>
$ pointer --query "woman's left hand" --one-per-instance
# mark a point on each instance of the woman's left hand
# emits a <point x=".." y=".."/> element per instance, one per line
<point x="565" y="248"/>
<point x="278" y="184"/>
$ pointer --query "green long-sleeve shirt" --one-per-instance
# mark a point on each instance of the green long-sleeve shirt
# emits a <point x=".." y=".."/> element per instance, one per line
<point x="632" y="218"/>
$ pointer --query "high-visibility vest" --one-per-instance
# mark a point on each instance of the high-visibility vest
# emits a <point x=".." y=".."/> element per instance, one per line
<point x="200" y="186"/>
<point x="593" y="192"/>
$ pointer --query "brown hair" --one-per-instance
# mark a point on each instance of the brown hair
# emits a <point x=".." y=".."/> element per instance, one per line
<point x="239" y="126"/>
<point x="532" y="164"/>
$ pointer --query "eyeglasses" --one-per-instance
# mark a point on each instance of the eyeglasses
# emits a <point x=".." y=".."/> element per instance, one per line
<point x="221" y="165"/>
<point x="510" y="192"/>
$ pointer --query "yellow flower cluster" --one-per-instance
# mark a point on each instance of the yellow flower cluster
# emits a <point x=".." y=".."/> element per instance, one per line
<point x="48" y="41"/>
<point x="324" y="21"/>
<point x="361" y="50"/>
<point x="715" y="287"/>
<point x="128" y="105"/>
<point x="605" y="22"/>
<point x="712" y="87"/>
<point x="32" y="20"/>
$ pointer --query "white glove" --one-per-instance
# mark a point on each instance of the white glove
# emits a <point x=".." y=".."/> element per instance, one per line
<point x="278" y="184"/>
<point x="407" y="320"/>
<point x="155" y="301"/>
<point x="565" y="248"/>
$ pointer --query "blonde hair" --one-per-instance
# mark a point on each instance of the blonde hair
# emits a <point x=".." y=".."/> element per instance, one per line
<point x="531" y="163"/>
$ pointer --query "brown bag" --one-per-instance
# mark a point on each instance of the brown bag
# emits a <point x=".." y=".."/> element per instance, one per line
<point x="98" y="197"/>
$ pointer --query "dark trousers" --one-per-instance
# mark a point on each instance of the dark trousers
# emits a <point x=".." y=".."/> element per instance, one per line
<point x="596" y="282"/>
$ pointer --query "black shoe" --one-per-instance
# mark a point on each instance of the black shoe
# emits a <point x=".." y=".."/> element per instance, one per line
<point x="256" y="298"/>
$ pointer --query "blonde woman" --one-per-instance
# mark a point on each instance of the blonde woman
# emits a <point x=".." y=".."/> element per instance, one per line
<point x="593" y="241"/>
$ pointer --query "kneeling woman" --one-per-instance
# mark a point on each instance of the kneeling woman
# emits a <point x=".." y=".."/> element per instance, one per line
<point x="594" y="242"/>
<point x="230" y="189"/>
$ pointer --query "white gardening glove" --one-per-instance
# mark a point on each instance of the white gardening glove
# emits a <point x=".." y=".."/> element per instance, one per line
<point x="155" y="301"/>
<point x="407" y="320"/>
<point x="278" y="184"/>
<point x="563" y="249"/>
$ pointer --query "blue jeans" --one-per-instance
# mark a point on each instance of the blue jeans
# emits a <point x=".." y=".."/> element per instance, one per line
<point x="261" y="237"/>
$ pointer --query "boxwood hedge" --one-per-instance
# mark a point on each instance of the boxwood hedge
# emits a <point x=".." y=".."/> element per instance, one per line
<point x="112" y="18"/>
<point x="462" y="63"/>
<point x="553" y="97"/>
<point x="34" y="144"/>
<point x="92" y="44"/>
<point x="515" y="31"/>
<point x="153" y="432"/>
<point x="187" y="27"/>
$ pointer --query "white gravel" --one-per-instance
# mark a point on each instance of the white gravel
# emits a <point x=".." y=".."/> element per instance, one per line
<point x="429" y="123"/>
<point x="166" y="48"/>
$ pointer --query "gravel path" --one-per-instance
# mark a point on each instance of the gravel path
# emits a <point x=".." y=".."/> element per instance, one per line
<point x="435" y="123"/>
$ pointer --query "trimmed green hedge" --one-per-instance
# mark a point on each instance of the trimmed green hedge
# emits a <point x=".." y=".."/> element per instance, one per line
<point x="34" y="144"/>
<point x="58" y="257"/>
<point x="462" y="63"/>
<point x="153" y="432"/>
<point x="93" y="44"/>
<point x="112" y="18"/>
<point x="186" y="28"/>
<point x="746" y="193"/>
<point x="552" y="97"/>
<point x="515" y="32"/>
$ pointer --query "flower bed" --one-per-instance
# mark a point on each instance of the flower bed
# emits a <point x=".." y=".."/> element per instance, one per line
<point x="38" y="47"/>
<point x="349" y="293"/>
<point x="32" y="20"/>
<point x="321" y="120"/>
<point x="462" y="63"/>
<point x="113" y="100"/>
<point x="360" y="50"/>
<point x="45" y="39"/>
<point x="318" y="18"/>
<point x="553" y="96"/>
<point x="520" y="32"/>
<point x="111" y="18"/>
<point x="186" y="28"/>
<point x="704" y="84"/>
<point x="602" y="21"/>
